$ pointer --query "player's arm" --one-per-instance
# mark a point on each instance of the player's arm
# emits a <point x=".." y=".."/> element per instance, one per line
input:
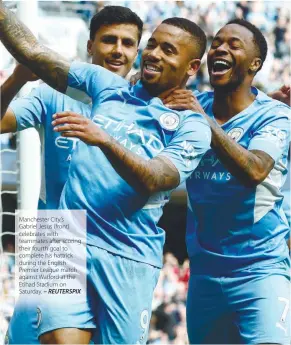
<point x="185" y="100"/>
<point x="8" y="90"/>
<point x="147" y="176"/>
<point x="23" y="46"/>
<point x="251" y="167"/>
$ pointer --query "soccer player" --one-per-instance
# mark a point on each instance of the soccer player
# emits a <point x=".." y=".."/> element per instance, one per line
<point x="162" y="148"/>
<point x="115" y="33"/>
<point x="240" y="268"/>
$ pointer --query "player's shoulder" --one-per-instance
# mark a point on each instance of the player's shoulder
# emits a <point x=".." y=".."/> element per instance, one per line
<point x="205" y="98"/>
<point x="190" y="116"/>
<point x="100" y="72"/>
<point x="44" y="91"/>
<point x="270" y="107"/>
<point x="173" y="120"/>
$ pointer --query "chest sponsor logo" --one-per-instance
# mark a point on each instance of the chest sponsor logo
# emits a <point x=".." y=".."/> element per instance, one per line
<point x="236" y="133"/>
<point x="130" y="135"/>
<point x="170" y="121"/>
<point x="207" y="170"/>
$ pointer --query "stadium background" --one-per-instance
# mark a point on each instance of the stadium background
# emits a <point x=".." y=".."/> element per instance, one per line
<point x="65" y="29"/>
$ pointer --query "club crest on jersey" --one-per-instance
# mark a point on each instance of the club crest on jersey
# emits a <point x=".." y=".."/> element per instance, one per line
<point x="169" y="121"/>
<point x="236" y="133"/>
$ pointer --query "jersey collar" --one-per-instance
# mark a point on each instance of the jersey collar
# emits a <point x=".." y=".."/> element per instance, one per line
<point x="138" y="90"/>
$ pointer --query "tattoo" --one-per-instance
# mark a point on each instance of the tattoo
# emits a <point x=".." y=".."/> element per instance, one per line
<point x="23" y="46"/>
<point x="250" y="167"/>
<point x="146" y="176"/>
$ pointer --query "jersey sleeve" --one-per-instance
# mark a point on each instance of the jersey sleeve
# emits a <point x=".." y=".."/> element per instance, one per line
<point x="188" y="145"/>
<point x="92" y="79"/>
<point x="274" y="136"/>
<point x="29" y="110"/>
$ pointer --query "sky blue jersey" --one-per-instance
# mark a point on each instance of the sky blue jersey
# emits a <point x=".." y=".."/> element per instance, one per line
<point x="119" y="219"/>
<point x="230" y="226"/>
<point x="36" y="110"/>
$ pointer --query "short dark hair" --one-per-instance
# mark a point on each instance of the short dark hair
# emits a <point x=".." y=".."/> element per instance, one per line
<point x="115" y="15"/>
<point x="259" y="38"/>
<point x="193" y="29"/>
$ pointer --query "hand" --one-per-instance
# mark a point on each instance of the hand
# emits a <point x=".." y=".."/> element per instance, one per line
<point x="182" y="100"/>
<point x="23" y="74"/>
<point x="282" y="95"/>
<point x="77" y="126"/>
<point x="135" y="78"/>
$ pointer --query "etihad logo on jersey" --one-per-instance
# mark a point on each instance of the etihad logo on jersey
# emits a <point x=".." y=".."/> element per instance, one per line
<point x="203" y="173"/>
<point x="211" y="160"/>
<point x="236" y="133"/>
<point x="66" y="144"/>
<point x="129" y="135"/>
<point x="211" y="175"/>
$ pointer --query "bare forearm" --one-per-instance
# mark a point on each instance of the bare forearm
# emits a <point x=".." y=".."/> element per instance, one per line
<point x="241" y="163"/>
<point x="20" y="42"/>
<point x="148" y="177"/>
<point x="8" y="90"/>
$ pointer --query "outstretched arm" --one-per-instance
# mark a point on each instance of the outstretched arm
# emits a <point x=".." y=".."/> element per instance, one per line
<point x="23" y="46"/>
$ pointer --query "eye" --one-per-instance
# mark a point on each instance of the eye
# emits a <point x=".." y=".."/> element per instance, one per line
<point x="150" y="45"/>
<point x="109" y="39"/>
<point x="168" y="51"/>
<point x="128" y="43"/>
<point x="215" y="45"/>
<point x="235" y="46"/>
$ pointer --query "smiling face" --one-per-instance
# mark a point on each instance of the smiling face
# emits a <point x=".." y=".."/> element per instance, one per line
<point x="115" y="47"/>
<point x="168" y="59"/>
<point x="233" y="57"/>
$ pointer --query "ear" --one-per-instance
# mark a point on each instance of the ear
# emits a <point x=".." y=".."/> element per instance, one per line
<point x="255" y="65"/>
<point x="193" y="67"/>
<point x="89" y="47"/>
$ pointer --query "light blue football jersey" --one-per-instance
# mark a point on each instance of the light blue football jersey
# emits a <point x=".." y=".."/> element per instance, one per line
<point x="230" y="226"/>
<point x="36" y="110"/>
<point x="119" y="219"/>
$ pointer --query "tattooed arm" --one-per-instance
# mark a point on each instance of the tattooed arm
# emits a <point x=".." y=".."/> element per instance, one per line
<point x="250" y="167"/>
<point x="146" y="176"/>
<point x="23" y="46"/>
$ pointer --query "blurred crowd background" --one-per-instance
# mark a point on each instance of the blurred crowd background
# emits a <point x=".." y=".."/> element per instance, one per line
<point x="64" y="28"/>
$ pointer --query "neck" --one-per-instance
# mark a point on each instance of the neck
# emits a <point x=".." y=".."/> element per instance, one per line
<point x="228" y="103"/>
<point x="155" y="90"/>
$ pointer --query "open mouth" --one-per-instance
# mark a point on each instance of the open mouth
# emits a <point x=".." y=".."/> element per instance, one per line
<point x="220" y="67"/>
<point x="150" y="69"/>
